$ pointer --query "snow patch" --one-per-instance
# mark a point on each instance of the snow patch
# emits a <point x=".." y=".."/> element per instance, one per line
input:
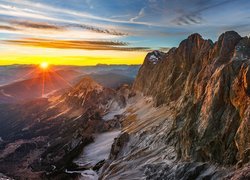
<point x="90" y="175"/>
<point x="153" y="59"/>
<point x="155" y="56"/>
<point x="111" y="115"/>
<point x="86" y="175"/>
<point x="97" y="151"/>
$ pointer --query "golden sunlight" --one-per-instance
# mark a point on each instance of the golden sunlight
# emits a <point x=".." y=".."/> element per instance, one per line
<point x="44" y="65"/>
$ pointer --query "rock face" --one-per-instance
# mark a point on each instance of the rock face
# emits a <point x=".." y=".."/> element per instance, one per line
<point x="202" y="89"/>
<point x="211" y="90"/>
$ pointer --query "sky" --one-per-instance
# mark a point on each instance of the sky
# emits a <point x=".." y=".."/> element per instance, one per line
<point x="89" y="32"/>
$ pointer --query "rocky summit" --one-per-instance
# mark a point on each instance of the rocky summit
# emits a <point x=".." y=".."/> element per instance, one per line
<point x="190" y="118"/>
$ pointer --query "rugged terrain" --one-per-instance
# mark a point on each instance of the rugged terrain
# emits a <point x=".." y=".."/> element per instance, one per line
<point x="185" y="117"/>
<point x="190" y="117"/>
<point x="40" y="138"/>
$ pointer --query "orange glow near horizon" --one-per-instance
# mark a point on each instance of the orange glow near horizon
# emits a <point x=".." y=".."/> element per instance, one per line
<point x="29" y="55"/>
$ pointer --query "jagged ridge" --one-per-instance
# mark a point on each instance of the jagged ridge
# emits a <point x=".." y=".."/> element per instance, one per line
<point x="200" y="119"/>
<point x="209" y="82"/>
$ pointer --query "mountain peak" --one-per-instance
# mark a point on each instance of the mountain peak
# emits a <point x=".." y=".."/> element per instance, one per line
<point x="229" y="34"/>
<point x="192" y="43"/>
<point x="195" y="36"/>
<point x="86" y="86"/>
<point x="226" y="44"/>
<point x="88" y="95"/>
<point x="88" y="82"/>
<point x="155" y="56"/>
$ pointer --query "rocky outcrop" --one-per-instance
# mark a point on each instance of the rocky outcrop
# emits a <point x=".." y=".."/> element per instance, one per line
<point x="89" y="95"/>
<point x="210" y="88"/>
<point x="118" y="144"/>
<point x="203" y="90"/>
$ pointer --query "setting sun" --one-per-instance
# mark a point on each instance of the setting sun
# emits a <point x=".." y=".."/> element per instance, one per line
<point x="44" y="65"/>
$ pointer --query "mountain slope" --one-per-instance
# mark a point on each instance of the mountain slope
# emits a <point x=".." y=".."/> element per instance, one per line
<point x="194" y="117"/>
<point x="40" y="138"/>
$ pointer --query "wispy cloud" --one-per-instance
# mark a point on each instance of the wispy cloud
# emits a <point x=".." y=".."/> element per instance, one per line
<point x="15" y="25"/>
<point x="8" y="10"/>
<point x="98" y="30"/>
<point x="17" y="11"/>
<point x="140" y="15"/>
<point x="7" y="28"/>
<point x="75" y="44"/>
<point x="35" y="25"/>
<point x="194" y="16"/>
<point x="188" y="19"/>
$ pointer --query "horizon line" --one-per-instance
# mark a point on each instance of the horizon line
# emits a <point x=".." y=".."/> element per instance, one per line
<point x="101" y="64"/>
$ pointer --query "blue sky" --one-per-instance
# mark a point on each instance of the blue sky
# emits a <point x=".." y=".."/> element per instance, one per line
<point x="134" y="25"/>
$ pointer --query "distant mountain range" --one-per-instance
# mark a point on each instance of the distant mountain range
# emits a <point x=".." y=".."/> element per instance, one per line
<point x="31" y="85"/>
<point x="12" y="73"/>
<point x="37" y="86"/>
<point x="109" y="79"/>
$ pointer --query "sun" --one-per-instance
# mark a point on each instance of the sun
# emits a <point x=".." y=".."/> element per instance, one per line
<point x="44" y="65"/>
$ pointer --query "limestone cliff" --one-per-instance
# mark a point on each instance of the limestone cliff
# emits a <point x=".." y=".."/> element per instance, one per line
<point x="198" y="116"/>
<point x="209" y="83"/>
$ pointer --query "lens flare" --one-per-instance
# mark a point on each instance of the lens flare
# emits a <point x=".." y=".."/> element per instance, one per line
<point x="44" y="65"/>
